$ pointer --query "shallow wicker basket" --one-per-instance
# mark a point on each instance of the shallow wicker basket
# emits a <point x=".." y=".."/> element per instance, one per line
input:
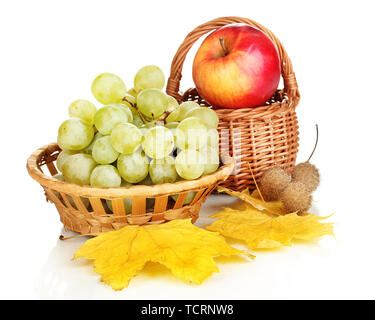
<point x="264" y="136"/>
<point x="96" y="217"/>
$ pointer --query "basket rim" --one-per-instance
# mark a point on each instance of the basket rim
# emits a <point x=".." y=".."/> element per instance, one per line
<point x="265" y="111"/>
<point x="122" y="192"/>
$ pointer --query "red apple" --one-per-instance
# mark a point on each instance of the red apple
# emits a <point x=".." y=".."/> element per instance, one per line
<point x="237" y="66"/>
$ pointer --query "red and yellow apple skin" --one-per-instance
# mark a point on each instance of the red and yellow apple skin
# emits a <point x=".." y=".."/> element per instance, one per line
<point x="245" y="75"/>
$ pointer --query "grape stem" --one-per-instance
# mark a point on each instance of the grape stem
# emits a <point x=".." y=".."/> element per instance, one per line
<point x="166" y="114"/>
<point x="126" y="100"/>
<point x="134" y="105"/>
<point x="141" y="115"/>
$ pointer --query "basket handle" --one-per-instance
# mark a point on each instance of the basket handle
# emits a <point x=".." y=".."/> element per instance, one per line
<point x="173" y="85"/>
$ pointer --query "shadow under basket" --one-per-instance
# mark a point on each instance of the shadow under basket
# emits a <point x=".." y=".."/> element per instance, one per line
<point x="261" y="137"/>
<point x="91" y="210"/>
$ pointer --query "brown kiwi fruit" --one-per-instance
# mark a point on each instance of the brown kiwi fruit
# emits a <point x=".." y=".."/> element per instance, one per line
<point x="296" y="198"/>
<point x="273" y="182"/>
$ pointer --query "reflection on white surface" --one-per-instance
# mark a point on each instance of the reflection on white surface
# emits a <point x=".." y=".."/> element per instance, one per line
<point x="61" y="278"/>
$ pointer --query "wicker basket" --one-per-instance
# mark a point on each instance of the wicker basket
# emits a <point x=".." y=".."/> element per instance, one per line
<point x="95" y="218"/>
<point x="263" y="136"/>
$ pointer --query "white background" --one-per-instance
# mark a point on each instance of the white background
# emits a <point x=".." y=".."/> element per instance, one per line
<point x="51" y="51"/>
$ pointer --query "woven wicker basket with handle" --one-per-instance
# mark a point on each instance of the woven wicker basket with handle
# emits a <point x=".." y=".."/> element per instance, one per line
<point x="264" y="136"/>
<point x="83" y="209"/>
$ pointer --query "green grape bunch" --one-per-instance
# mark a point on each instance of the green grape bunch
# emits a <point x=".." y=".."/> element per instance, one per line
<point x="139" y="136"/>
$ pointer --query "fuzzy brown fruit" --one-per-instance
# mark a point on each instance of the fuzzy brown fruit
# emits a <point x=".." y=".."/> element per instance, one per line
<point x="306" y="173"/>
<point x="296" y="198"/>
<point x="273" y="182"/>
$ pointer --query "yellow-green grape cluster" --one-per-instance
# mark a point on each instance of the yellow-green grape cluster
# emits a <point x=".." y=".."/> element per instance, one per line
<point x="136" y="136"/>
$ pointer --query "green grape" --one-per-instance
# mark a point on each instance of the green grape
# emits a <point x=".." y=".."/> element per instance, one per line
<point x="184" y="109"/>
<point x="206" y="115"/>
<point x="127" y="205"/>
<point x="58" y="176"/>
<point x="149" y="201"/>
<point x="163" y="170"/>
<point x="105" y="175"/>
<point x="83" y="109"/>
<point x="210" y="158"/>
<point x="189" y="164"/>
<point x="103" y="152"/>
<point x="75" y="134"/>
<point x="146" y="181"/>
<point x="132" y="92"/>
<point x="85" y="201"/>
<point x="63" y="156"/>
<point x="108" y="88"/>
<point x="189" y="198"/>
<point x="158" y="142"/>
<point x="125" y="184"/>
<point x="173" y="127"/>
<point x="88" y="149"/>
<point x="127" y="202"/>
<point x="108" y="117"/>
<point x="149" y="77"/>
<point x="148" y="125"/>
<point x="191" y="133"/>
<point x="145" y="127"/>
<point x="137" y="120"/>
<point x="172" y="106"/>
<point x="133" y="168"/>
<point x="213" y="138"/>
<point x="173" y="116"/>
<point x="77" y="168"/>
<point x="126" y="106"/>
<point x="126" y="138"/>
<point x="152" y="103"/>
<point x="172" y="103"/>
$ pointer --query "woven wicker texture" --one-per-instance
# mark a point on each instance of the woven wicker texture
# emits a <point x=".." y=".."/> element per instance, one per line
<point x="264" y="136"/>
<point x="95" y="216"/>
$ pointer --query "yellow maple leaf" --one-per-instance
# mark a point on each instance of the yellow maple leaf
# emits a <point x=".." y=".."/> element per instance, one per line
<point x="185" y="249"/>
<point x="272" y="207"/>
<point x="261" y="231"/>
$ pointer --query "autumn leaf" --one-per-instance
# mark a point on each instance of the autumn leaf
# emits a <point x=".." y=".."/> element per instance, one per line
<point x="272" y="207"/>
<point x="185" y="249"/>
<point x="261" y="231"/>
